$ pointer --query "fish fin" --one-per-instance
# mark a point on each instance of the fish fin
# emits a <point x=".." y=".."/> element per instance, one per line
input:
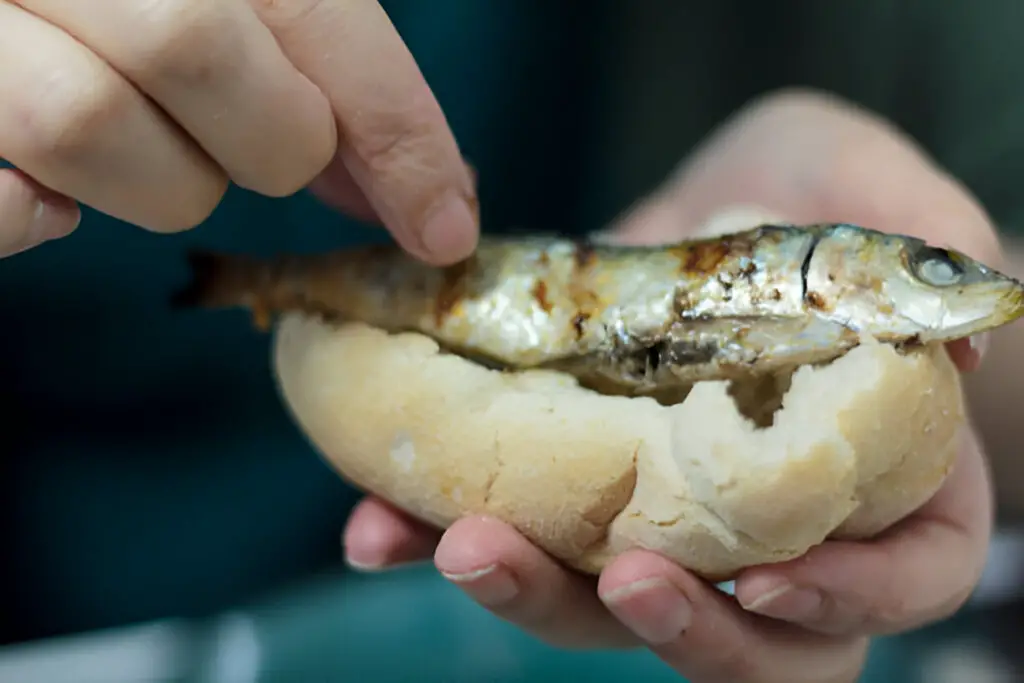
<point x="218" y="281"/>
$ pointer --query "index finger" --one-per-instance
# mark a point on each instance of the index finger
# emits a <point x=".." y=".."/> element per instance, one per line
<point x="394" y="139"/>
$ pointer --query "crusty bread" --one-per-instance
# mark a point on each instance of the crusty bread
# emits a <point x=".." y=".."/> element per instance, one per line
<point x="857" y="445"/>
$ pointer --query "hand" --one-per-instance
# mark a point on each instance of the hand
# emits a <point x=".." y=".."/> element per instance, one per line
<point x="806" y="158"/>
<point x="147" y="110"/>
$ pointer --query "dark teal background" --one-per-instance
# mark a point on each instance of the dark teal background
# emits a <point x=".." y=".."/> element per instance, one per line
<point x="149" y="469"/>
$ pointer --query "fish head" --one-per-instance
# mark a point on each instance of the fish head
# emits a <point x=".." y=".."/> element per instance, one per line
<point x="905" y="288"/>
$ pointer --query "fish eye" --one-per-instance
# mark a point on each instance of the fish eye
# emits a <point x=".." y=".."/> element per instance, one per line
<point x="937" y="267"/>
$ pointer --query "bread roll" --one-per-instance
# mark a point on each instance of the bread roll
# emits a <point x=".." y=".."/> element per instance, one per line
<point x="857" y="445"/>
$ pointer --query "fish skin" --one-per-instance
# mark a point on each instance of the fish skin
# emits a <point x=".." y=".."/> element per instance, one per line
<point x="639" y="318"/>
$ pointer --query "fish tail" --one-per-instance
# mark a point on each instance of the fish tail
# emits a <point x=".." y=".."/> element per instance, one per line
<point x="218" y="281"/>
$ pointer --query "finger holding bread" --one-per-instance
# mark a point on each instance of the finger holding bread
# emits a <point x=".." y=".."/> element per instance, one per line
<point x="703" y="636"/>
<point x="518" y="581"/>
<point x="379" y="536"/>
<point x="892" y="583"/>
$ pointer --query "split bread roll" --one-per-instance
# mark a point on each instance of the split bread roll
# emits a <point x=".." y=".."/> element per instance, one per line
<point x="856" y="446"/>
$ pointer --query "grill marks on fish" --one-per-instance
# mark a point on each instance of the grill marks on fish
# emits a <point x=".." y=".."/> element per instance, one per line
<point x="581" y="291"/>
<point x="584" y="253"/>
<point x="731" y="261"/>
<point x="814" y="299"/>
<point x="704" y="258"/>
<point x="456" y="287"/>
<point x="696" y="345"/>
<point x="578" y="321"/>
<point x="540" y="295"/>
<point x="644" y="360"/>
<point x="453" y="289"/>
<point x="632" y="320"/>
<point x="613" y="331"/>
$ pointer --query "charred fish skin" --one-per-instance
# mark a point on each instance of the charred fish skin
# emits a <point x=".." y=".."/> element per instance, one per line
<point x="547" y="301"/>
<point x="641" y="317"/>
<point x="530" y="301"/>
<point x="555" y="299"/>
<point x="854" y="281"/>
<point x="723" y="308"/>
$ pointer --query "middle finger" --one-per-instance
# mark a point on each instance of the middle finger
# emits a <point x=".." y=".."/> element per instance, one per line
<point x="520" y="583"/>
<point x="704" y="636"/>
<point x="218" y="71"/>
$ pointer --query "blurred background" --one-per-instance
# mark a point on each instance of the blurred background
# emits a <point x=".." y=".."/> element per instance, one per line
<point x="162" y="519"/>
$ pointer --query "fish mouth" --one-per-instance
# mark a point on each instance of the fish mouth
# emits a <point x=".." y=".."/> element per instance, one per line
<point x="1007" y="305"/>
<point x="1016" y="301"/>
<point x="1008" y="308"/>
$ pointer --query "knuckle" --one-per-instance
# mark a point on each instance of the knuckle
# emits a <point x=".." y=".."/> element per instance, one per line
<point x="292" y="178"/>
<point x="397" y="142"/>
<point x="184" y="205"/>
<point x="406" y="153"/>
<point x="792" y="98"/>
<point x="181" y="40"/>
<point x="193" y="212"/>
<point x="71" y="114"/>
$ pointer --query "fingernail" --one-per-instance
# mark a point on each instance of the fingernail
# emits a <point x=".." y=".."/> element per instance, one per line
<point x="368" y="563"/>
<point x="450" y="230"/>
<point x="979" y="344"/>
<point x="363" y="567"/>
<point x="654" y="609"/>
<point x="787" y="603"/>
<point x="492" y="586"/>
<point x="373" y="560"/>
<point x="378" y="567"/>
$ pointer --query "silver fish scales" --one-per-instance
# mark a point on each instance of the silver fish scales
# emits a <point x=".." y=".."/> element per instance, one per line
<point x="638" y="319"/>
